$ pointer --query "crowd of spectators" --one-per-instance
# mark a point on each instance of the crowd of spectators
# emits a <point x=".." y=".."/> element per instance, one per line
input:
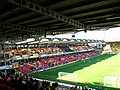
<point x="24" y="82"/>
<point x="41" y="50"/>
<point x="78" y="48"/>
<point x="45" y="50"/>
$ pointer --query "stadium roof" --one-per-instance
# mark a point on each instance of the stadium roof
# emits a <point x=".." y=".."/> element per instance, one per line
<point x="57" y="41"/>
<point x="28" y="18"/>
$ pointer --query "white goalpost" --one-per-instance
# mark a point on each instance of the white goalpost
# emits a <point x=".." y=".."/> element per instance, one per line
<point x="111" y="81"/>
<point x="68" y="76"/>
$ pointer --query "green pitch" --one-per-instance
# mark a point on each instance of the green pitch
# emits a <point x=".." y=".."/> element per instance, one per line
<point x="90" y="72"/>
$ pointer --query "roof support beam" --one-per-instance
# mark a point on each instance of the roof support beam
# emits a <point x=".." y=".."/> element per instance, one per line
<point x="18" y="27"/>
<point x="111" y="23"/>
<point x="48" y="12"/>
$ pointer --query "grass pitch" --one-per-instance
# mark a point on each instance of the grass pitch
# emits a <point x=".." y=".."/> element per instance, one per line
<point x="90" y="72"/>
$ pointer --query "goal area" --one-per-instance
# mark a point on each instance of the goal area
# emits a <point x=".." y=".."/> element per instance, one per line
<point x="111" y="81"/>
<point x="68" y="76"/>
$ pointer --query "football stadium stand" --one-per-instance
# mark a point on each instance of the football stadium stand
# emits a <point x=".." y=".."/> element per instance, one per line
<point x="29" y="60"/>
<point x="23" y="19"/>
<point x="115" y="46"/>
<point x="112" y="47"/>
<point x="53" y="61"/>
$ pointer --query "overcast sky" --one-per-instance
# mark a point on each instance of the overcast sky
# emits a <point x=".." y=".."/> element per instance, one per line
<point x="112" y="34"/>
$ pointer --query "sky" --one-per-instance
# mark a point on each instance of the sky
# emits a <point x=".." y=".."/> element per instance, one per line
<point x="112" y="34"/>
